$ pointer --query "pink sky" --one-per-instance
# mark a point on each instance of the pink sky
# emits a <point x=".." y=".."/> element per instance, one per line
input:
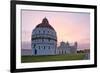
<point x="70" y="26"/>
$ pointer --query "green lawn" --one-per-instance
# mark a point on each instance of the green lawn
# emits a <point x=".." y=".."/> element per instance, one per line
<point x="46" y="58"/>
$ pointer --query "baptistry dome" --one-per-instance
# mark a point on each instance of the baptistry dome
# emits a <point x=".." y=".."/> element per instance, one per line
<point x="44" y="39"/>
<point x="45" y="24"/>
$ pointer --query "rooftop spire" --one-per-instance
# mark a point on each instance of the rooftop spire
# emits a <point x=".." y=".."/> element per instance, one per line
<point x="45" y="21"/>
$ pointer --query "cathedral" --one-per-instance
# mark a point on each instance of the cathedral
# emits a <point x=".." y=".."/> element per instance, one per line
<point x="44" y="41"/>
<point x="66" y="48"/>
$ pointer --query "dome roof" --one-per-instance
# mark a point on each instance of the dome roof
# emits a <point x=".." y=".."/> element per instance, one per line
<point x="45" y="23"/>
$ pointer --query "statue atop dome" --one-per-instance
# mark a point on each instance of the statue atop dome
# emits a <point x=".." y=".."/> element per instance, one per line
<point x="45" y="21"/>
<point x="45" y="24"/>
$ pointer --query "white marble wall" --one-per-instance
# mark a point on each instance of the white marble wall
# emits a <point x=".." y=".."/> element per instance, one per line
<point x="44" y="46"/>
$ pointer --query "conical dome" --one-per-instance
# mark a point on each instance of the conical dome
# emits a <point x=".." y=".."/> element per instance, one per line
<point x="45" y="24"/>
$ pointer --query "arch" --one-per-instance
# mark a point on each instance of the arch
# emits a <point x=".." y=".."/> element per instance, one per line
<point x="35" y="51"/>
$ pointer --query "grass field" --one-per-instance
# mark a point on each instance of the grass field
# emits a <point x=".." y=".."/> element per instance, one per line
<point x="46" y="58"/>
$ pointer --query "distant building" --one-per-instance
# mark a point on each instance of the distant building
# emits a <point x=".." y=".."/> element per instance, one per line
<point x="65" y="48"/>
<point x="26" y="52"/>
<point x="44" y="41"/>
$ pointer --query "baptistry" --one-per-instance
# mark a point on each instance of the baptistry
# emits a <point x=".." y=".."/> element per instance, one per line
<point x="44" y="39"/>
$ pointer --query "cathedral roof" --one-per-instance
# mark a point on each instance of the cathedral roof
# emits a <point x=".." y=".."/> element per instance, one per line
<point x="45" y="23"/>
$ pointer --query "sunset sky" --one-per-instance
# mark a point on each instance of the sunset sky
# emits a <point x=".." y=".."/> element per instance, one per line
<point x="70" y="26"/>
